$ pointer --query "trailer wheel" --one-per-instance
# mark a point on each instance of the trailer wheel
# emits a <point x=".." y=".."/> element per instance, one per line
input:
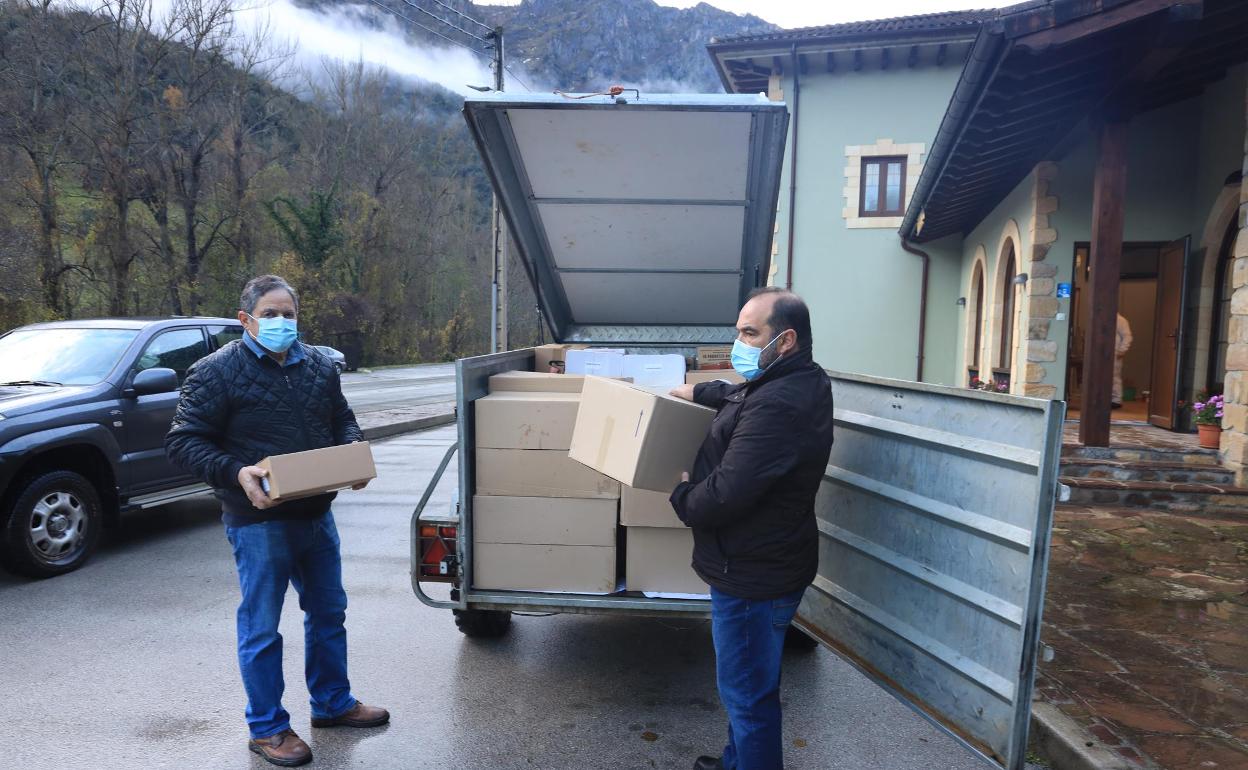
<point x="483" y="624"/>
<point x="799" y="641"/>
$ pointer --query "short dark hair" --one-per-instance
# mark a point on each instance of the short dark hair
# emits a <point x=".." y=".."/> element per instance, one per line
<point x="263" y="284"/>
<point x="789" y="311"/>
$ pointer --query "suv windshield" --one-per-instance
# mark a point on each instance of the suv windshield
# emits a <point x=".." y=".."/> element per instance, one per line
<point x="62" y="356"/>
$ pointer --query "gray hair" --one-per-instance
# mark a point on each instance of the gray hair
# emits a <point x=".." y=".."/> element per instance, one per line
<point x="263" y="284"/>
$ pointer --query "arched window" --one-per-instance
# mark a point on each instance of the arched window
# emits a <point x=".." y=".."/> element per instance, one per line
<point x="975" y="325"/>
<point x="979" y="318"/>
<point x="1005" y="356"/>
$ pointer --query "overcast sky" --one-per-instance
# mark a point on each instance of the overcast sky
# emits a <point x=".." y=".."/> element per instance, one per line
<point x="810" y="13"/>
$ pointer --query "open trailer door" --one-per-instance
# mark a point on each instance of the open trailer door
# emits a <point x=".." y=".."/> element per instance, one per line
<point x="640" y="218"/>
<point x="934" y="520"/>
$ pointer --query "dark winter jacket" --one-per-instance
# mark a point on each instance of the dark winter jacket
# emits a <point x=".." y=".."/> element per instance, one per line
<point x="238" y="408"/>
<point x="751" y="496"/>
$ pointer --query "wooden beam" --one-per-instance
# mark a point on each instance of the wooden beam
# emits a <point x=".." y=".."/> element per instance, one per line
<point x="913" y="61"/>
<point x="941" y="53"/>
<point x="831" y="62"/>
<point x="858" y="60"/>
<point x="885" y="58"/>
<point x="1109" y="192"/>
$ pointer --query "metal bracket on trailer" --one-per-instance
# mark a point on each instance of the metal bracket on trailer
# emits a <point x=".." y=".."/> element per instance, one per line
<point x="415" y="540"/>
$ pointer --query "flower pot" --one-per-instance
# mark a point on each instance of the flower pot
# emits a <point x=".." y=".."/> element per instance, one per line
<point x="1210" y="436"/>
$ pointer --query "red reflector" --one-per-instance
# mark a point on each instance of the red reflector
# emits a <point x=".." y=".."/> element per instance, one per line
<point x="448" y="532"/>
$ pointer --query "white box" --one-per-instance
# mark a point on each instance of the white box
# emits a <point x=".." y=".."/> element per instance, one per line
<point x="600" y="363"/>
<point x="661" y="371"/>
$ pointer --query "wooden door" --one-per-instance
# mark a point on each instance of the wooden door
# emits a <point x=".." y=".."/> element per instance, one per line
<point x="1168" y="338"/>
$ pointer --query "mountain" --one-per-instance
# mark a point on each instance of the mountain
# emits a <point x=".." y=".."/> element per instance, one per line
<point x="589" y="45"/>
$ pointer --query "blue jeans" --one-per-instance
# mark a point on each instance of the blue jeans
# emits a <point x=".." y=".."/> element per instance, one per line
<point x="749" y="641"/>
<point x="270" y="555"/>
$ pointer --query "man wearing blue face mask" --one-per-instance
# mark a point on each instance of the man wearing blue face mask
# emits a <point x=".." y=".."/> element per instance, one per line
<point x="750" y="501"/>
<point x="263" y="395"/>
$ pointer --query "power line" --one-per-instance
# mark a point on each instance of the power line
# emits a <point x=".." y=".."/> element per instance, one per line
<point x="415" y="23"/>
<point x="519" y="80"/>
<point x="436" y="17"/>
<point x="458" y="12"/>
<point x="463" y="45"/>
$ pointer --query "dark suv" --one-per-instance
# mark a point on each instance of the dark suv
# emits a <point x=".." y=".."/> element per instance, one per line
<point x="84" y="408"/>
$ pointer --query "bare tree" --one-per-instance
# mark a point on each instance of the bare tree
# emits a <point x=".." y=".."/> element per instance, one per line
<point x="34" y="104"/>
<point x="117" y="64"/>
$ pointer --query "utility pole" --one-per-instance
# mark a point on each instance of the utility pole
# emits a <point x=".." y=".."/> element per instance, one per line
<point x="498" y="307"/>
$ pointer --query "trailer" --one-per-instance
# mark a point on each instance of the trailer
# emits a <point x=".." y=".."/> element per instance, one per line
<point x="643" y="223"/>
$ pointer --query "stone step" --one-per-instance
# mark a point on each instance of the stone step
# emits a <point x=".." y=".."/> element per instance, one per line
<point x="1171" y="472"/>
<point x="1138" y="454"/>
<point x="1195" y="499"/>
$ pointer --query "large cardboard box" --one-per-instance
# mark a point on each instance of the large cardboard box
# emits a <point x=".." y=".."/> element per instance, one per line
<point x="526" y="420"/>
<point x="643" y="508"/>
<point x="535" y="382"/>
<point x="711" y="375"/>
<point x="539" y="473"/>
<point x="657" y="560"/>
<point x="543" y="521"/>
<point x="635" y="436"/>
<point x="587" y="569"/>
<point x="661" y="371"/>
<point x="305" y="474"/>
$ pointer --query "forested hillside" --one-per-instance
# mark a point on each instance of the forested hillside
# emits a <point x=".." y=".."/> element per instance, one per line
<point x="151" y="160"/>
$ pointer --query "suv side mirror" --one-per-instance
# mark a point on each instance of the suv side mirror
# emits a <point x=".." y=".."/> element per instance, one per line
<point x="157" y="380"/>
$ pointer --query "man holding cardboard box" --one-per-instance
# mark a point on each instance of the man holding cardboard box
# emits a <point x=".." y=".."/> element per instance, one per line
<point x="750" y="503"/>
<point x="258" y="397"/>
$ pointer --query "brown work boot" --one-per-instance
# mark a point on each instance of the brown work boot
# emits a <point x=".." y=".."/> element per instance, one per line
<point x="285" y="749"/>
<point x="359" y="716"/>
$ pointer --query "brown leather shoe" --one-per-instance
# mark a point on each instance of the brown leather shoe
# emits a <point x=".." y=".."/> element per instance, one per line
<point x="285" y="749"/>
<point x="359" y="716"/>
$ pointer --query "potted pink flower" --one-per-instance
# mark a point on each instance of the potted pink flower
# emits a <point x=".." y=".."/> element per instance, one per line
<point x="1208" y="416"/>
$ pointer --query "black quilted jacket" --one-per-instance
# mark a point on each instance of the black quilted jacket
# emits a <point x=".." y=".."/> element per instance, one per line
<point x="237" y="409"/>
<point x="751" y="497"/>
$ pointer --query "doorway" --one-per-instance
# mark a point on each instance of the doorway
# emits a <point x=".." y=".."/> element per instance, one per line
<point x="1150" y="303"/>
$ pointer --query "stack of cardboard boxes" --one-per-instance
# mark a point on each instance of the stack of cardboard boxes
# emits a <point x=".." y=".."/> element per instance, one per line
<point x="541" y="521"/>
<point x="555" y="453"/>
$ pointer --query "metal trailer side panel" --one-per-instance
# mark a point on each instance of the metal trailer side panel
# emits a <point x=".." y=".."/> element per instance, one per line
<point x="934" y="519"/>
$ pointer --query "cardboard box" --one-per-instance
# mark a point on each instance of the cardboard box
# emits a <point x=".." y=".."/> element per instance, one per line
<point x="711" y="375"/>
<point x="600" y="363"/>
<point x="657" y="560"/>
<point x="539" y="473"/>
<point x="544" y="354"/>
<point x="543" y="521"/>
<point x="662" y="371"/>
<point x="305" y="474"/>
<point x="526" y="420"/>
<point x="643" y="508"/>
<point x="714" y="354"/>
<point x="585" y="569"/>
<point x="536" y="382"/>
<point x="637" y="437"/>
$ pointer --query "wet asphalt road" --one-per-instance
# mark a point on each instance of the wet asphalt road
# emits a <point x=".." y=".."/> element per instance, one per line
<point x="397" y="387"/>
<point x="130" y="663"/>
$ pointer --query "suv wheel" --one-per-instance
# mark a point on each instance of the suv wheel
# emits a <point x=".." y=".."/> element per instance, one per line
<point x="52" y="526"/>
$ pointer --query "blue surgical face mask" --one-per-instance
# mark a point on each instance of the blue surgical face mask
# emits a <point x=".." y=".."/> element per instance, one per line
<point x="745" y="358"/>
<point x="276" y="334"/>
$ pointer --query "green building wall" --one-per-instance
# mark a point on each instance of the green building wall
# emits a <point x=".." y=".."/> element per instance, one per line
<point x="862" y="287"/>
